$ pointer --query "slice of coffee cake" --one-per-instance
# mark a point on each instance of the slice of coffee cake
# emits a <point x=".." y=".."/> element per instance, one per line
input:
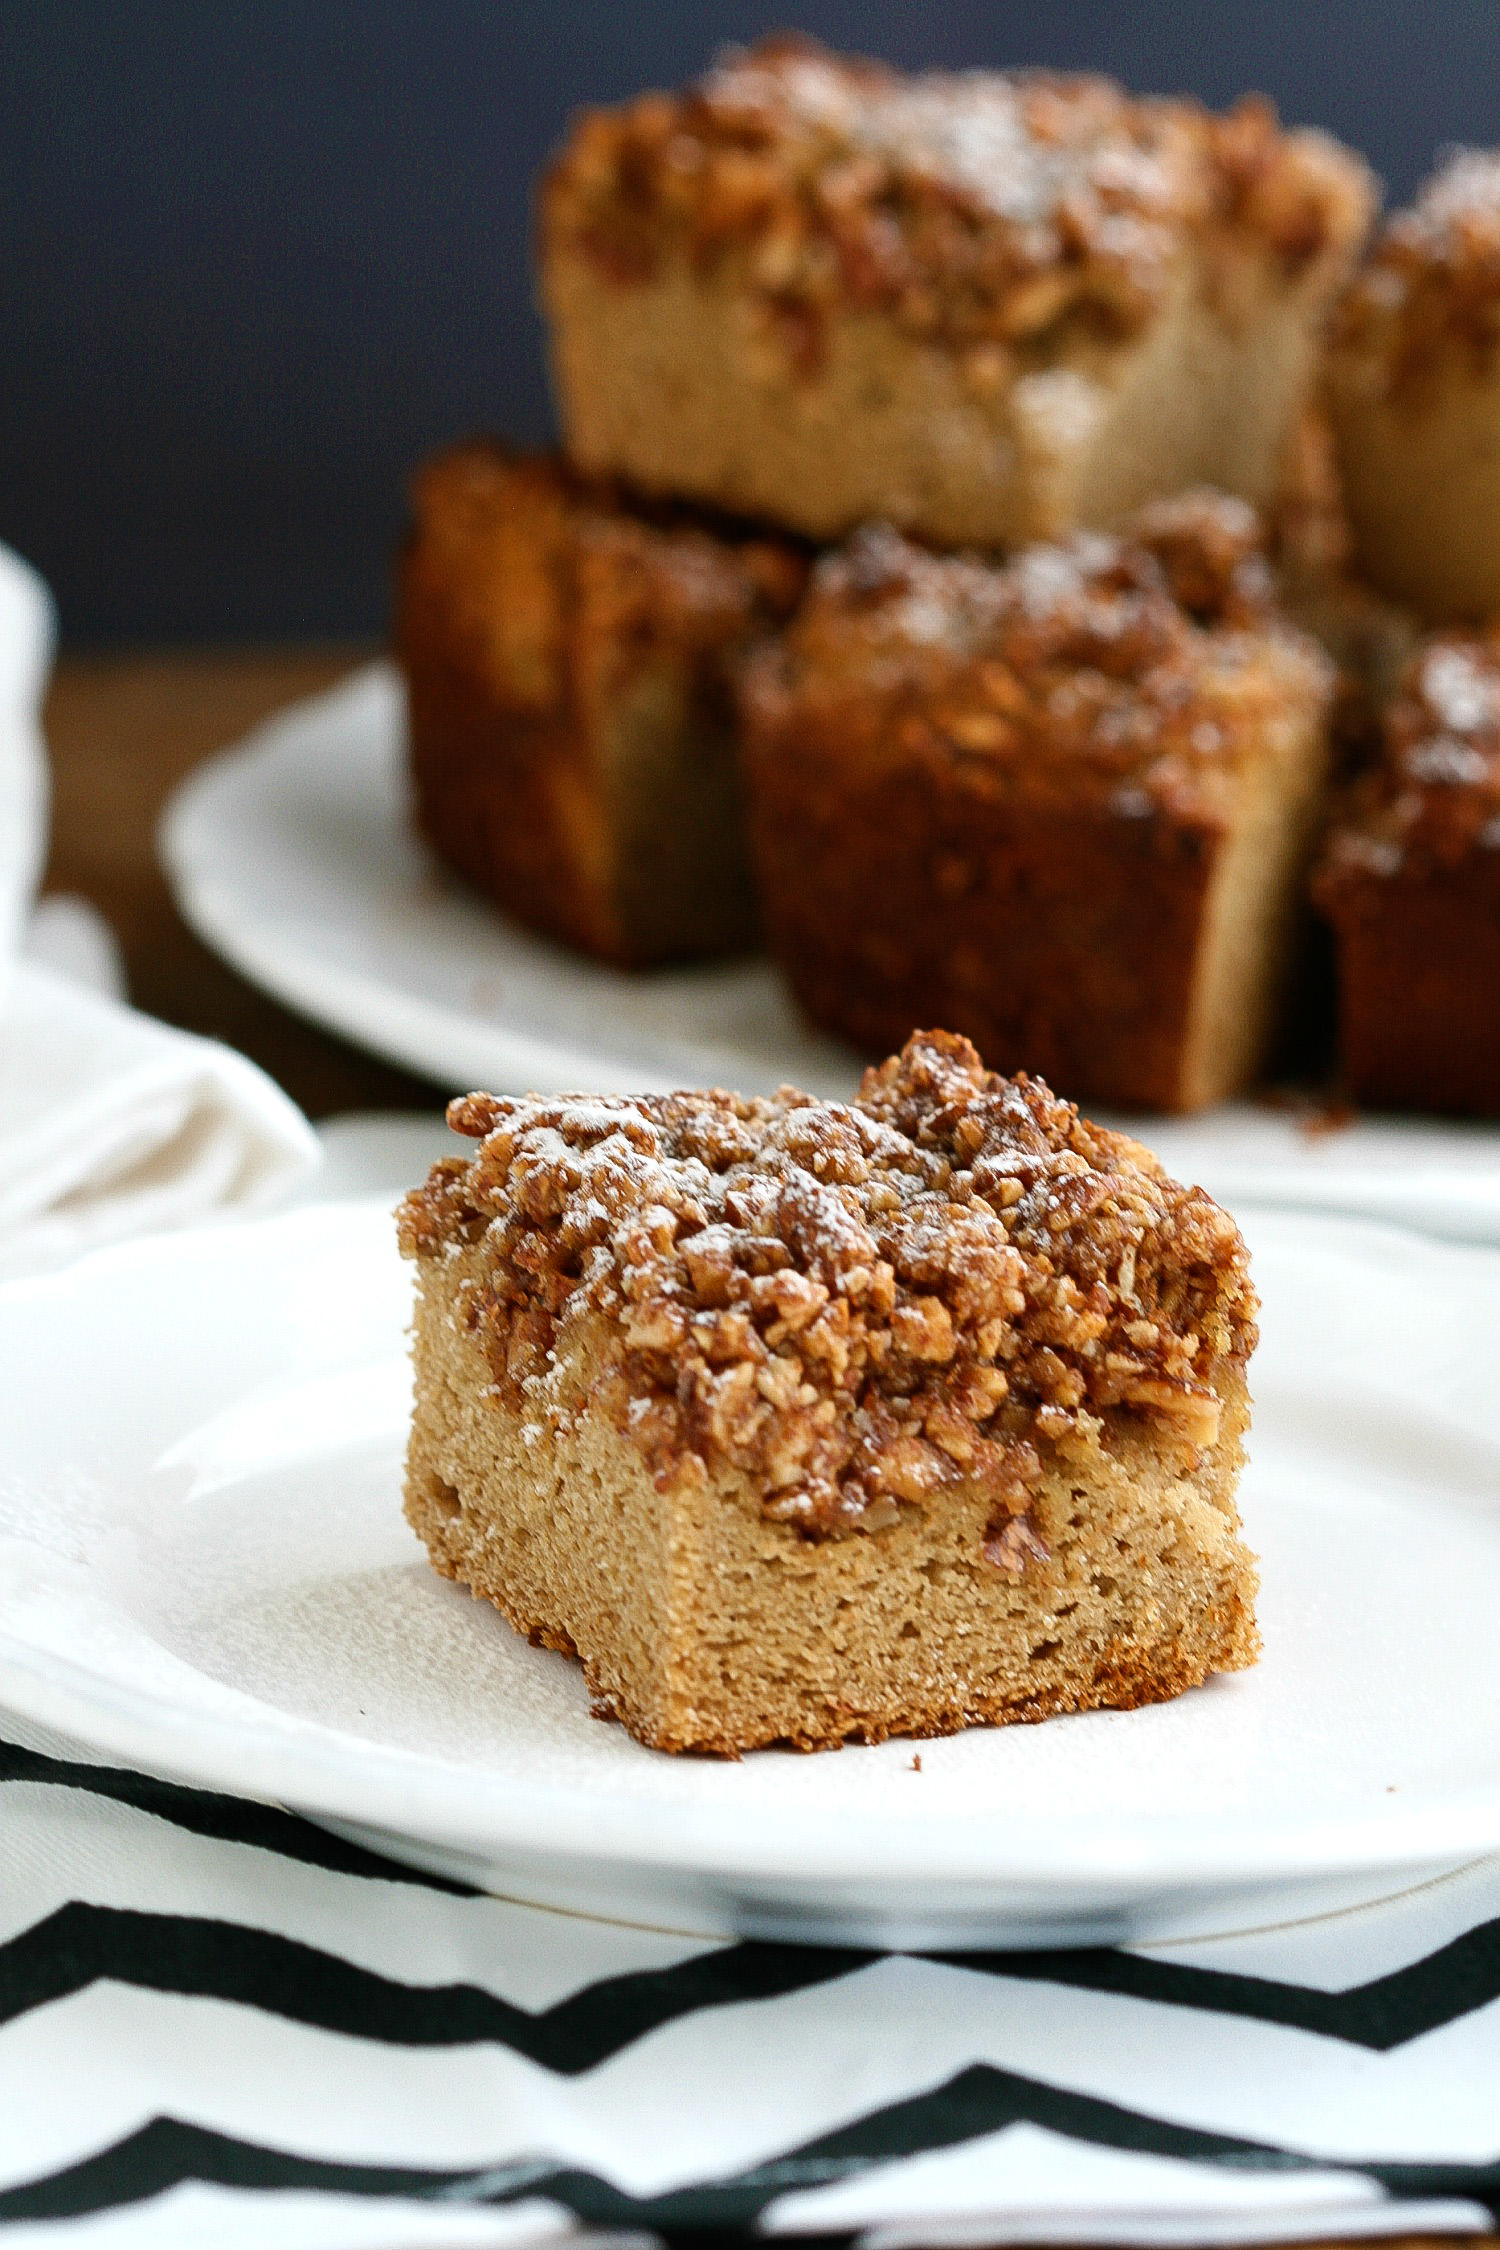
<point x="1064" y="805"/>
<point x="801" y="1422"/>
<point x="1413" y="386"/>
<point x="1410" y="880"/>
<point x="986" y="306"/>
<point x="569" y="658"/>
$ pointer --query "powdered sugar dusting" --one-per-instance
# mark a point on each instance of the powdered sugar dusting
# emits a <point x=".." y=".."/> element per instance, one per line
<point x="1434" y="795"/>
<point x="856" y="1305"/>
<point x="977" y="207"/>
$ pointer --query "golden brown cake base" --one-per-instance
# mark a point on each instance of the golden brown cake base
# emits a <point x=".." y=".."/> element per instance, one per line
<point x="1410" y="881"/>
<point x="1141" y="961"/>
<point x="568" y="660"/>
<point x="1413" y="389"/>
<point x="704" y="1626"/>
<point x="1417" y="955"/>
<point x="1421" y="477"/>
<point x="666" y="383"/>
<point x="1043" y="804"/>
<point x="1419" y="990"/>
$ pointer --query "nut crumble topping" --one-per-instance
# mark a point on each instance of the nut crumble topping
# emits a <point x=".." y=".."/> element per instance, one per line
<point x="980" y="209"/>
<point x="1432" y="281"/>
<point x="1131" y="669"/>
<point x="855" y="1304"/>
<point x="1433" y="796"/>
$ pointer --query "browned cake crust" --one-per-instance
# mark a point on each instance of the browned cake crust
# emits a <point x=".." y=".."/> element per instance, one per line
<point x="1064" y="805"/>
<point x="800" y="1421"/>
<point x="1410" y="880"/>
<point x="567" y="660"/>
<point x="1414" y="390"/>
<point x="985" y="306"/>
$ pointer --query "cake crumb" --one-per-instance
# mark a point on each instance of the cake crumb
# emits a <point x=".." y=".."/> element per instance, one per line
<point x="1331" y="1116"/>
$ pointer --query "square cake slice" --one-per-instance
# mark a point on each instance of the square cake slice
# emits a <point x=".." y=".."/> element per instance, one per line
<point x="985" y="307"/>
<point x="801" y="1422"/>
<point x="1063" y="805"/>
<point x="568" y="660"/>
<point x="1410" y="880"/>
<point x="1413" y="388"/>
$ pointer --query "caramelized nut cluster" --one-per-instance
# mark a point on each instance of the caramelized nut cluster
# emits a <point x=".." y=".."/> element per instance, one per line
<point x="1129" y="671"/>
<point x="856" y="1305"/>
<point x="981" y="209"/>
<point x="1433" y="795"/>
<point x="1432" y="283"/>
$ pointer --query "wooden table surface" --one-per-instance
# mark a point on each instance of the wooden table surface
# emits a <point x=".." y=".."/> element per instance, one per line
<point x="123" y="730"/>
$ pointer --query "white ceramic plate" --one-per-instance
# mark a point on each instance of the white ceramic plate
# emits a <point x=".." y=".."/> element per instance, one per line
<point x="294" y="856"/>
<point x="203" y="1570"/>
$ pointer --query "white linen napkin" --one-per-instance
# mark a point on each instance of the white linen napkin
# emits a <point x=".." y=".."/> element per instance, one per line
<point x="69" y="936"/>
<point x="27" y="636"/>
<point x="110" y="1122"/>
<point x="114" y="1124"/>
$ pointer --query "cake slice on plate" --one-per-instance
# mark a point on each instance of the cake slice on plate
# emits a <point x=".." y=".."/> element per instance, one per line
<point x="1064" y="804"/>
<point x="569" y="661"/>
<point x="1414" y="393"/>
<point x="801" y="1421"/>
<point x="1410" y="880"/>
<point x="986" y="307"/>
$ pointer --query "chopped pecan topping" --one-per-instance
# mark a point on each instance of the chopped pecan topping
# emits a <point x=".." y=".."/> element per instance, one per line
<point x="1432" y="797"/>
<point x="986" y="211"/>
<point x="857" y="1305"/>
<point x="1130" y="669"/>
<point x="1431" y="286"/>
<point x="1212" y="550"/>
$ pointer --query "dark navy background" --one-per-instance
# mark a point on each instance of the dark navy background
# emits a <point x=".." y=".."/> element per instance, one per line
<point x="254" y="258"/>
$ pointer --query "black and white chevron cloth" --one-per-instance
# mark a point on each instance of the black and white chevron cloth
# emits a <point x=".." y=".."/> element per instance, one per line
<point x="221" y="2026"/>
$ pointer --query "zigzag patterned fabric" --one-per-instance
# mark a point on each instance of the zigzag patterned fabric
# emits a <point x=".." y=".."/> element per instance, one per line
<point x="221" y="2025"/>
